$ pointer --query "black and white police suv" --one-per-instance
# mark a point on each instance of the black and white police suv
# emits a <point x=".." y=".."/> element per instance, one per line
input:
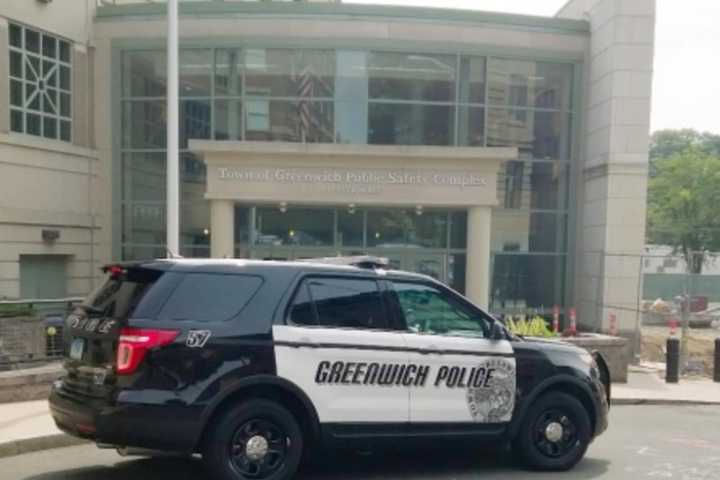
<point x="254" y="364"/>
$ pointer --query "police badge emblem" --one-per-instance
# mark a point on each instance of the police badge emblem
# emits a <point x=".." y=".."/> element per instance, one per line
<point x="493" y="402"/>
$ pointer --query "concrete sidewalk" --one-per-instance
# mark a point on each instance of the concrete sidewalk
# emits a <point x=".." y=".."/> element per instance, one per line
<point x="27" y="426"/>
<point x="646" y="385"/>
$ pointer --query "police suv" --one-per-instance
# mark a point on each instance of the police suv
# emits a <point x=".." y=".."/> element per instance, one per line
<point x="256" y="364"/>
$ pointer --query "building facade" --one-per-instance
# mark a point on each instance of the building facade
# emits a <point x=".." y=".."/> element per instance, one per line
<point x="503" y="154"/>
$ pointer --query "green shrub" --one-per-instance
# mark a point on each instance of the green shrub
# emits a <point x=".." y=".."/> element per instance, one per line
<point x="536" y="327"/>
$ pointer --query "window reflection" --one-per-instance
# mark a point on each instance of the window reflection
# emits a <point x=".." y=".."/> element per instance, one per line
<point x="412" y="76"/>
<point x="533" y="185"/>
<point x="522" y="282"/>
<point x="529" y="84"/>
<point x="289" y="121"/>
<point x="537" y="134"/>
<point x="301" y="227"/>
<point x="526" y="231"/>
<point x="410" y="124"/>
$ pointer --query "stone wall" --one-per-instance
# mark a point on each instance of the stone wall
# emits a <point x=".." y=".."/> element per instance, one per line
<point x="22" y="338"/>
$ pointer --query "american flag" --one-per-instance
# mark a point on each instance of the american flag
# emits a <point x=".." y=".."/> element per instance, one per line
<point x="305" y="91"/>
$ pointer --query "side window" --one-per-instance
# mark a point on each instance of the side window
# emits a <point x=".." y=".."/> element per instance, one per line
<point x="431" y="310"/>
<point x="210" y="297"/>
<point x="303" y="310"/>
<point x="339" y="302"/>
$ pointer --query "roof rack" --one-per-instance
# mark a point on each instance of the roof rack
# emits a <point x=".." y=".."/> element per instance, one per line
<point x="360" y="261"/>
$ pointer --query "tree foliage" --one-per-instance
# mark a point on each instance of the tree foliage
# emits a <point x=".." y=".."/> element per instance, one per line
<point x="666" y="143"/>
<point x="684" y="199"/>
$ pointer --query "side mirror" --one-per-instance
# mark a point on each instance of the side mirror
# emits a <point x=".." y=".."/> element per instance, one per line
<point x="497" y="331"/>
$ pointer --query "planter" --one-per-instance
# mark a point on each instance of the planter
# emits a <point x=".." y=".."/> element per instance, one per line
<point x="614" y="350"/>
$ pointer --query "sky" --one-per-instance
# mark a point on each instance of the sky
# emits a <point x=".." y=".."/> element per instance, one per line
<point x="687" y="54"/>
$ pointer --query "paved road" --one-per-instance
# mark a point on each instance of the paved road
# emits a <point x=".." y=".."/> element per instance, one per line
<point x="644" y="442"/>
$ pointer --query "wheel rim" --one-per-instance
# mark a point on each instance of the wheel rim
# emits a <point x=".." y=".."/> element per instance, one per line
<point x="258" y="449"/>
<point x="555" y="434"/>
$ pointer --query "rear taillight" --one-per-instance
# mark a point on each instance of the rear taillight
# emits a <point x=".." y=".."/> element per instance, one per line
<point x="134" y="344"/>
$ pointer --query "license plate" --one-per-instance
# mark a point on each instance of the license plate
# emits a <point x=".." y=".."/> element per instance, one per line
<point x="77" y="348"/>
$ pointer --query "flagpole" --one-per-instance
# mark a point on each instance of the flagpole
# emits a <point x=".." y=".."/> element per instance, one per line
<point x="173" y="167"/>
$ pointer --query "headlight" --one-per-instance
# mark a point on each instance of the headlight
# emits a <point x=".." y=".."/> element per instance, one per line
<point x="588" y="359"/>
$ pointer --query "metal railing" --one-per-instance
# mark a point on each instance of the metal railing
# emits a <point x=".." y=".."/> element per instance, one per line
<point x="31" y="330"/>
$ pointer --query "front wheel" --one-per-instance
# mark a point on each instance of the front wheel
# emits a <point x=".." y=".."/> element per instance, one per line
<point x="256" y="440"/>
<point x="555" y="433"/>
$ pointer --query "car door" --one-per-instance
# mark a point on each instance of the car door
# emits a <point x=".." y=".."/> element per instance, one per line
<point x="472" y="377"/>
<point x="337" y="346"/>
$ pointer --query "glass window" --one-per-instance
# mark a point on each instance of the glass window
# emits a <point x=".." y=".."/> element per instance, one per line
<point x="302" y="311"/>
<point x="533" y="185"/>
<point x="40" y="84"/>
<point x="347" y="303"/>
<point x="144" y="73"/>
<point x="472" y="80"/>
<point x="144" y="124"/>
<point x="412" y="76"/>
<point x="143" y="176"/>
<point x="429" y="310"/>
<point x="471" y="127"/>
<point x="195" y="68"/>
<point x="351" y="122"/>
<point x="120" y="297"/>
<point x="528" y="84"/>
<point x="350" y="228"/>
<point x="386" y="228"/>
<point x="526" y="231"/>
<point x="458" y="229"/>
<point x="228" y="72"/>
<point x="194" y="120"/>
<point x="208" y="297"/>
<point x="522" y="282"/>
<point x="297" y="226"/>
<point x="410" y="124"/>
<point x="537" y="134"/>
<point x="289" y="121"/>
<point x="228" y="119"/>
<point x="279" y="72"/>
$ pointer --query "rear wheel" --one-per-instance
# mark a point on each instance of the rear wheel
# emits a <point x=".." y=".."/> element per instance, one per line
<point x="256" y="440"/>
<point x="555" y="433"/>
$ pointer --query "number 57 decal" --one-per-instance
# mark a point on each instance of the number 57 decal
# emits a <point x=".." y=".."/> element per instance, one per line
<point x="197" y="338"/>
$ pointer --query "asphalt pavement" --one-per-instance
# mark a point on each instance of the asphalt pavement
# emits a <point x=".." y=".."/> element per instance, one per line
<point x="643" y="442"/>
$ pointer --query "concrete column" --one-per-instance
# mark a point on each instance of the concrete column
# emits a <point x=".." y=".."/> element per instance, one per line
<point x="477" y="273"/>
<point x="222" y="228"/>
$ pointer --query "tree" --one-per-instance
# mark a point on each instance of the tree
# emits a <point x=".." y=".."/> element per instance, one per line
<point x="684" y="203"/>
<point x="666" y="143"/>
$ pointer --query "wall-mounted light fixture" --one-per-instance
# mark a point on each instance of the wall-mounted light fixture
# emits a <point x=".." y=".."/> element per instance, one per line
<point x="283" y="207"/>
<point x="419" y="210"/>
<point x="351" y="209"/>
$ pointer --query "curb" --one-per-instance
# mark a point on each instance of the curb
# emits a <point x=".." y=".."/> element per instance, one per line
<point x="662" y="401"/>
<point x="36" y="444"/>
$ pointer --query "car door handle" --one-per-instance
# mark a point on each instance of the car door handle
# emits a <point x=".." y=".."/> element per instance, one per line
<point x="307" y="342"/>
<point x="429" y="350"/>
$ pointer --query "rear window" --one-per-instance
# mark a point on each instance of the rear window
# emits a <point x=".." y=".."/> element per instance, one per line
<point x="121" y="296"/>
<point x="209" y="297"/>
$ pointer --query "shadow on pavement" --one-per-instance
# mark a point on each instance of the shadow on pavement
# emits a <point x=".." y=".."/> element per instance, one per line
<point x="384" y="465"/>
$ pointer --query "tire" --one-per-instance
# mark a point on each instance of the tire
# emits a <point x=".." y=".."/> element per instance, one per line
<point x="232" y="449"/>
<point x="536" y="443"/>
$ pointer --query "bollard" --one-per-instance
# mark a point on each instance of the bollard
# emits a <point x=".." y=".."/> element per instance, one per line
<point x="672" y="366"/>
<point x="716" y="371"/>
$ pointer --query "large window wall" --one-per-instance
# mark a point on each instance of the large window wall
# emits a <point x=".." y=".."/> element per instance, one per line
<point x="361" y="97"/>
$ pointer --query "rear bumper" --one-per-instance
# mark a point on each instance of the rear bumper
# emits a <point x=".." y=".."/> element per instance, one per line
<point x="157" y="427"/>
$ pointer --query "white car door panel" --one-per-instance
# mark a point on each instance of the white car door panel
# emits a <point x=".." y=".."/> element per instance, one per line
<point x="350" y="375"/>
